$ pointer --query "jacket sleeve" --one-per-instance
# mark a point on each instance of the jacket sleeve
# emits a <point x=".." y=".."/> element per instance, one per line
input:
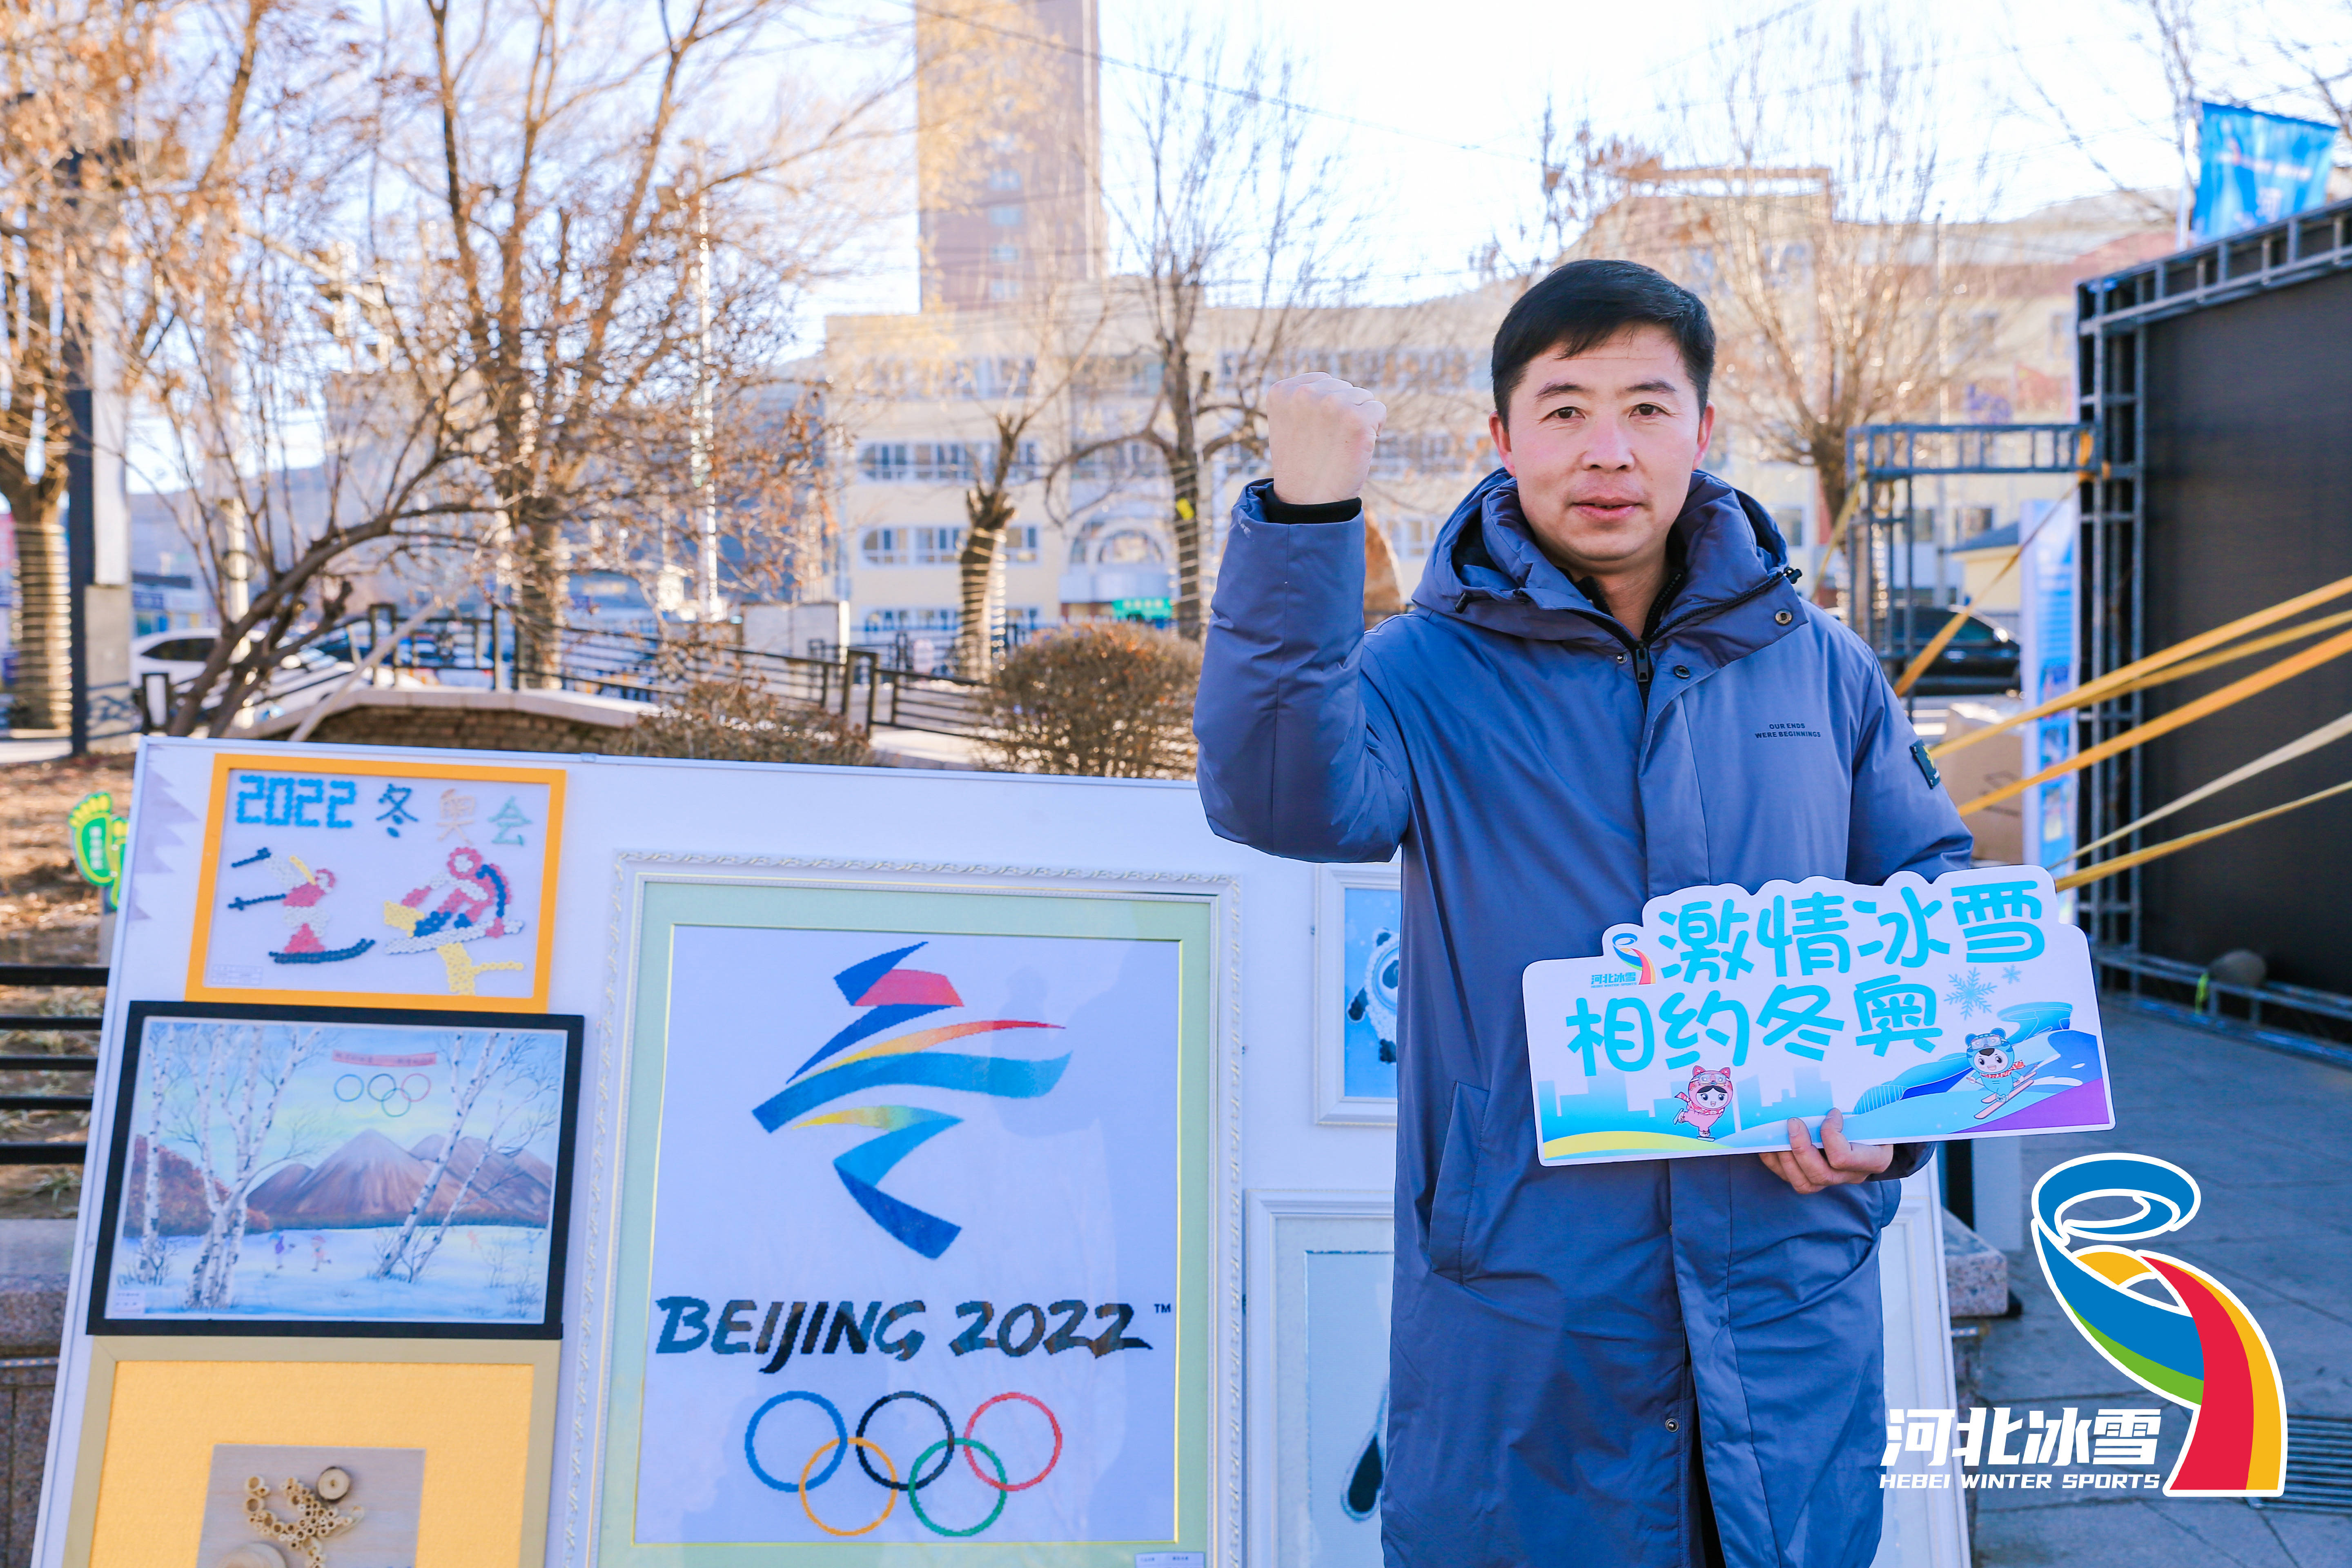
<point x="1903" y="819"/>
<point x="1298" y="753"/>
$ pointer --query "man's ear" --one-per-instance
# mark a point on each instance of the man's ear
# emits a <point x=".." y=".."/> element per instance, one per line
<point x="1502" y="436"/>
<point x="1705" y="430"/>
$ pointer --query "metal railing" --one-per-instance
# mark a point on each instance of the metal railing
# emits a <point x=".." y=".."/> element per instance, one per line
<point x="41" y="976"/>
<point x="864" y="683"/>
<point x="860" y="685"/>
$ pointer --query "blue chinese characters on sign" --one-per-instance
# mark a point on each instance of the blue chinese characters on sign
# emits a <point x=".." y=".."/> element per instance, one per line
<point x="1950" y="1009"/>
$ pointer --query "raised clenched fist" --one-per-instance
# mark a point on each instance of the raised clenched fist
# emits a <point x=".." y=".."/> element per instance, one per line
<point x="1320" y="433"/>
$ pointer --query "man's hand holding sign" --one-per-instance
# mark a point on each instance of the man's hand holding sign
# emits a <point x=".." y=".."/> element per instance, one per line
<point x="1608" y="699"/>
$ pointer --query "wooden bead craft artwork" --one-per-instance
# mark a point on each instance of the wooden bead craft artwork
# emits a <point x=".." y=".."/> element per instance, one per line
<point x="252" y="1554"/>
<point x="315" y="1518"/>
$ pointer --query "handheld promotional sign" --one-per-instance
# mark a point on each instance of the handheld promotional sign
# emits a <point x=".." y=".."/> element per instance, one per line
<point x="1964" y="1007"/>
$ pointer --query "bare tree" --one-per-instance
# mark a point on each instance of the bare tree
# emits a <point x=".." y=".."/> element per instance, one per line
<point x="1232" y="230"/>
<point x="553" y="136"/>
<point x="1816" y="223"/>
<point x="71" y="72"/>
<point x="246" y="1070"/>
<point x="511" y="1079"/>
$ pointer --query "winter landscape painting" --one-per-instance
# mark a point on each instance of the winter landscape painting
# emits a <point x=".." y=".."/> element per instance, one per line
<point x="352" y="1171"/>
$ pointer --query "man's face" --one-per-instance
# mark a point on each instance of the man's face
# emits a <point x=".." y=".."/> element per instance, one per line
<point x="1602" y="444"/>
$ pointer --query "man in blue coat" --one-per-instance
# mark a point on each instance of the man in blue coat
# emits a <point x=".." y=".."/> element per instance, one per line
<point x="1607" y="688"/>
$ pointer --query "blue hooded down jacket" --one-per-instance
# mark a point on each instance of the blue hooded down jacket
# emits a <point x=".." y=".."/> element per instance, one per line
<point x="1569" y="1343"/>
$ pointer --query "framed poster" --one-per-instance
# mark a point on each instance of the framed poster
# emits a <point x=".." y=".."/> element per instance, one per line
<point x="338" y="1171"/>
<point x="1322" y="1261"/>
<point x="396" y="882"/>
<point x="1359" y="948"/>
<point x="914" y="1223"/>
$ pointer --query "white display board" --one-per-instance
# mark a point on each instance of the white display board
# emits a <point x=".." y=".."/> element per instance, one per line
<point x="749" y="1010"/>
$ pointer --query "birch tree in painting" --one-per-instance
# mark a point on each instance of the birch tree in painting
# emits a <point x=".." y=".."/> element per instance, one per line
<point x="507" y="1080"/>
<point x="246" y="1067"/>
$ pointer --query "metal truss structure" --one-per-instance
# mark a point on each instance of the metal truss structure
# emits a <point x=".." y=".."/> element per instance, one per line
<point x="2112" y="316"/>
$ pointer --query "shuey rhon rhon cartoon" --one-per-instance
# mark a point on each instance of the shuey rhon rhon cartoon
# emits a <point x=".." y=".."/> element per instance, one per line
<point x="1705" y="1099"/>
<point x="1993" y="1062"/>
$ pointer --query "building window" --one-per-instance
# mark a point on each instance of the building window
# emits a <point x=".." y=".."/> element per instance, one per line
<point x="939" y="462"/>
<point x="1004" y="217"/>
<point x="929" y="620"/>
<point x="1414" y="535"/>
<point x="1003" y="288"/>
<point x="1005" y="180"/>
<point x="1004" y="255"/>
<point x="912" y="546"/>
<point x="1020" y="546"/>
<point x="1128" y="547"/>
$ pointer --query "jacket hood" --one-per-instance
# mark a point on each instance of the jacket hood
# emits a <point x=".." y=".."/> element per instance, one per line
<point x="1488" y="570"/>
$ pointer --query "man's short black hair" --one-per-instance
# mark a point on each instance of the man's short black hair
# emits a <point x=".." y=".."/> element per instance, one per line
<point x="1585" y="303"/>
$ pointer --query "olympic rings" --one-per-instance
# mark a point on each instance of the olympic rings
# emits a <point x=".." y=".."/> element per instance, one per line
<point x="916" y="1480"/>
<point x="394" y="1089"/>
<point x="999" y="1482"/>
<point x="1003" y="1491"/>
<point x="891" y="1498"/>
<point x="841" y="1441"/>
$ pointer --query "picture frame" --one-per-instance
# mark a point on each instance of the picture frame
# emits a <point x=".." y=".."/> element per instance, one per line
<point x="498" y="1163"/>
<point x="1318" y="1373"/>
<point x="669" y="906"/>
<point x="1355" y="992"/>
<point x="415" y="914"/>
<point x="1925" y="1527"/>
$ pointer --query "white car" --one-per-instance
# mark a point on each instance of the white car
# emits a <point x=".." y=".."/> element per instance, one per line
<point x="304" y="676"/>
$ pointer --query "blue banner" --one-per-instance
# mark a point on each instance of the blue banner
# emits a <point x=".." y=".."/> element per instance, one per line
<point x="2258" y="168"/>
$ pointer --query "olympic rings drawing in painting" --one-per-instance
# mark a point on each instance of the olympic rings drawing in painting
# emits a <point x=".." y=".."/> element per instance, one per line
<point x="841" y="1436"/>
<point x="999" y="1482"/>
<point x="890" y="1500"/>
<point x="393" y="1089"/>
<point x="1003" y="1491"/>
<point x="843" y="1440"/>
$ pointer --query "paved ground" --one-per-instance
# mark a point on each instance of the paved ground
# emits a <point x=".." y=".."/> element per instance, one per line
<point x="2266" y="1136"/>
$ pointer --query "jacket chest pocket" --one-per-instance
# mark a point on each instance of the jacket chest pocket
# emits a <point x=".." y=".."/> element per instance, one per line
<point x="1452" y="1198"/>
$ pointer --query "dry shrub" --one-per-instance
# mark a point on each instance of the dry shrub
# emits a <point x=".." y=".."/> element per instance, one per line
<point x="743" y="721"/>
<point x="1110" y="699"/>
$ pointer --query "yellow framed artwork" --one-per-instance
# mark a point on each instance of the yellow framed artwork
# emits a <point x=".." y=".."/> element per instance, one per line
<point x="366" y="882"/>
<point x="484" y="1415"/>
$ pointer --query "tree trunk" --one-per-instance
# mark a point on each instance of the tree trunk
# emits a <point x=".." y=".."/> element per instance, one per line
<point x="987" y="514"/>
<point x="540" y="595"/>
<point x="1184" y="479"/>
<point x="494" y="1050"/>
<point x="43" y="691"/>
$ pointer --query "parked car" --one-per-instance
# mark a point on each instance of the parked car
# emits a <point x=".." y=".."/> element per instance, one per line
<point x="1981" y="661"/>
<point x="302" y="677"/>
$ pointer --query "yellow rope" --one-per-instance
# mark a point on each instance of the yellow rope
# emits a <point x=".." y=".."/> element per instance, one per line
<point x="2231" y="655"/>
<point x="2173" y="846"/>
<point x="2189" y="713"/>
<point x="2114" y="680"/>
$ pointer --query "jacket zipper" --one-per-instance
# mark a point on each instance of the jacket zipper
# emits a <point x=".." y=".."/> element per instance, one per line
<point x="1644" y="667"/>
